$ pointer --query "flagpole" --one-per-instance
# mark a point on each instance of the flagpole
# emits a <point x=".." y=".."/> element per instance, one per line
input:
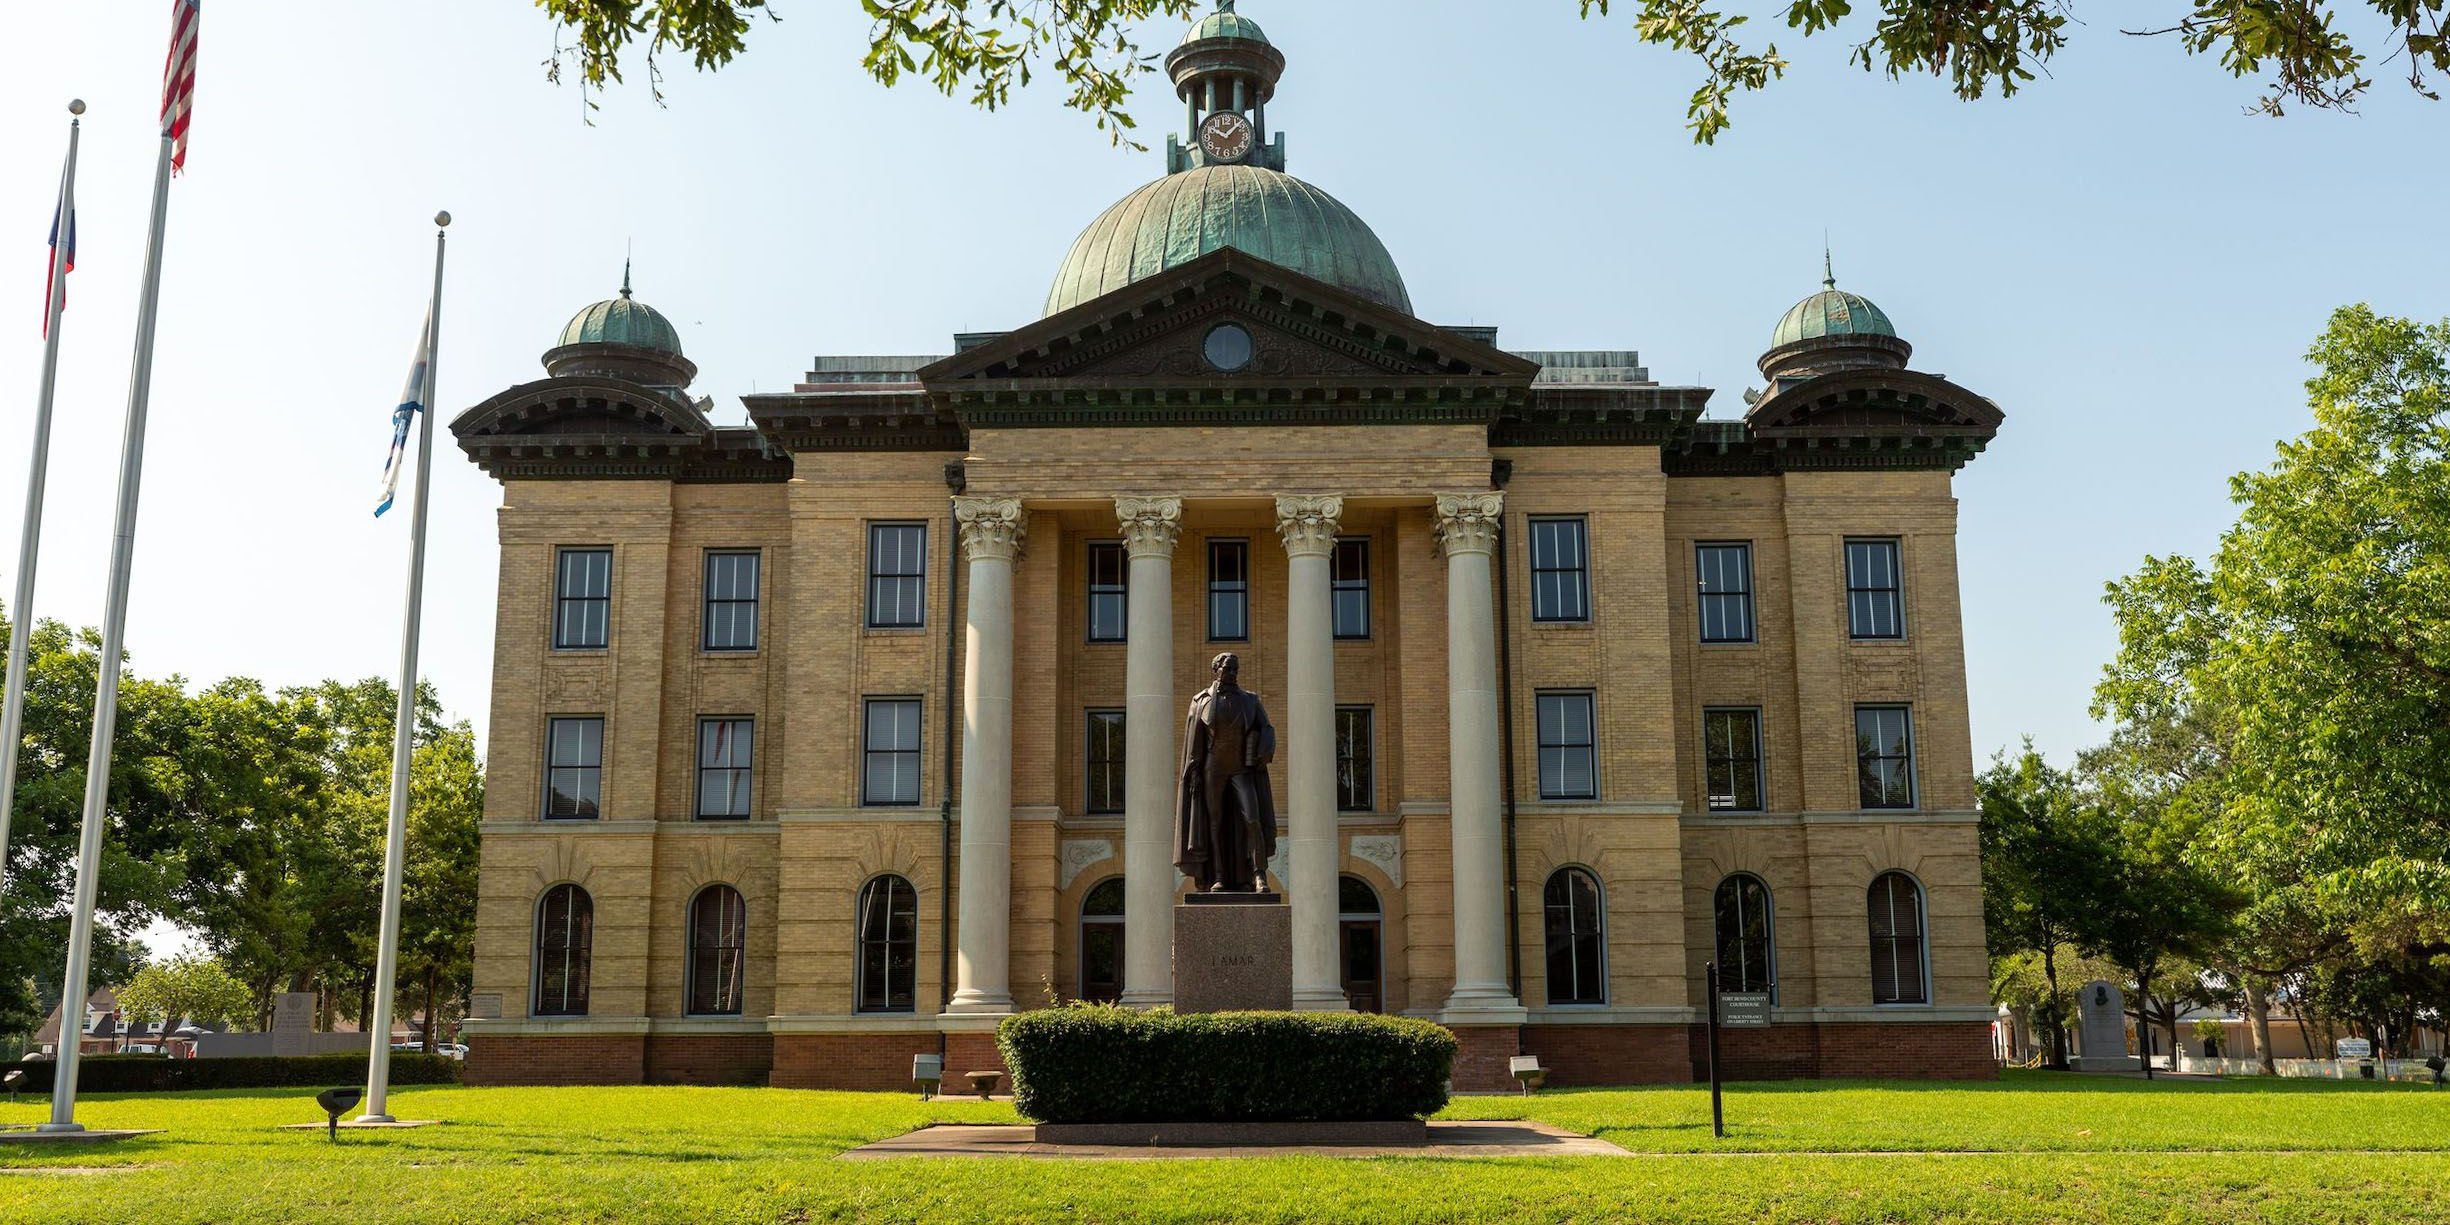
<point x="29" y="545"/>
<point x="404" y="726"/>
<point x="114" y="637"/>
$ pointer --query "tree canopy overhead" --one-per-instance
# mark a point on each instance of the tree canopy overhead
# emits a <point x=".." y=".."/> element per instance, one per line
<point x="2317" y="53"/>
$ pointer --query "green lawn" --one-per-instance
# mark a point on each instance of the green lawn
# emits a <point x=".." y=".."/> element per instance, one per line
<point x="2048" y="1150"/>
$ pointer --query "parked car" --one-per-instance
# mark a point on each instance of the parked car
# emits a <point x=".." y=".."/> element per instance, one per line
<point x="456" y="1050"/>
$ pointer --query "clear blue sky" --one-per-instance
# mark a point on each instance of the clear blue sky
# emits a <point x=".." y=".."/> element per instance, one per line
<point x="2121" y="257"/>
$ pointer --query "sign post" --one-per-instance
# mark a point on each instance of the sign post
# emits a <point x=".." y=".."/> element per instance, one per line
<point x="1709" y="982"/>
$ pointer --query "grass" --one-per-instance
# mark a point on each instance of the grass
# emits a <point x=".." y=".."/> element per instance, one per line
<point x="2042" y="1149"/>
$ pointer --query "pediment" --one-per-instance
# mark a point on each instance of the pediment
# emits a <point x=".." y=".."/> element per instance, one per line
<point x="1153" y="333"/>
<point x="1874" y="404"/>
<point x="583" y="408"/>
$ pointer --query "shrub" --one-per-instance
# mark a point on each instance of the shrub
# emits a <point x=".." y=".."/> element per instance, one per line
<point x="157" y="1074"/>
<point x="1103" y="1064"/>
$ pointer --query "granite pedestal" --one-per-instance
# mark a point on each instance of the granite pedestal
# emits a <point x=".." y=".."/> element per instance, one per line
<point x="1233" y="952"/>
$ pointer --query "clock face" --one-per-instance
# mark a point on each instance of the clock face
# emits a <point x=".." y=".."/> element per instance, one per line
<point x="1225" y="136"/>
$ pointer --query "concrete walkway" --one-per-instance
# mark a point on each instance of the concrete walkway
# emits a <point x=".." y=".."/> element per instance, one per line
<point x="1456" y="1139"/>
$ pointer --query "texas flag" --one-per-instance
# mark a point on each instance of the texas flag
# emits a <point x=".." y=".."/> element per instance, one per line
<point x="55" y="296"/>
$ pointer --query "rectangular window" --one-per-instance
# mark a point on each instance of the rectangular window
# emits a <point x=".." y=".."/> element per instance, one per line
<point x="1731" y="754"/>
<point x="1109" y="597"/>
<point x="731" y="600"/>
<point x="1356" y="759"/>
<point x="725" y="748"/>
<point x="1884" y="756"/>
<point x="890" y="774"/>
<point x="573" y="768"/>
<point x="1568" y="747"/>
<point x="1725" y="574"/>
<point x="1875" y="595"/>
<point x="1229" y="590"/>
<point x="897" y="575"/>
<point x="1349" y="581"/>
<point x="582" y="599"/>
<point x="1560" y="570"/>
<point x="1105" y="761"/>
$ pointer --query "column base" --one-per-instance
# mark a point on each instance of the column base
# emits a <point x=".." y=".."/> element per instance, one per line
<point x="59" y="1128"/>
<point x="374" y="1118"/>
<point x="978" y="1004"/>
<point x="1314" y="999"/>
<point x="1482" y="1004"/>
<point x="1144" y="1000"/>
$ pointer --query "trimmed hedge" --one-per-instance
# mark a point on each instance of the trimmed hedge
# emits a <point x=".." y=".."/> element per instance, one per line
<point x="157" y="1074"/>
<point x="1099" y="1063"/>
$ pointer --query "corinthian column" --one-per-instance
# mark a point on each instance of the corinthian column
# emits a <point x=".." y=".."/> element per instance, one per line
<point x="1467" y="533"/>
<point x="1150" y="526"/>
<point x="991" y="531"/>
<point x="1308" y="526"/>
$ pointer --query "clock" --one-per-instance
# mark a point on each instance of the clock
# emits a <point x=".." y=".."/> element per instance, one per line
<point x="1225" y="137"/>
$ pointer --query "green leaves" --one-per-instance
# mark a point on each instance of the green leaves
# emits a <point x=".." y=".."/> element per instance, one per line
<point x="1100" y="1063"/>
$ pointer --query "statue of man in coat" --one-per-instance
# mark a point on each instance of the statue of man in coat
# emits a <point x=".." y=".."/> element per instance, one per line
<point x="1225" y="818"/>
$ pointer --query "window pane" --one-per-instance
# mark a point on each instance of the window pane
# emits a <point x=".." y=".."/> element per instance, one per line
<point x="1560" y="570"/>
<point x="1574" y="940"/>
<point x="1875" y="606"/>
<point x="1731" y="751"/>
<point x="1349" y="585"/>
<point x="1109" y="607"/>
<point x="1229" y="590"/>
<point x="1725" y="574"/>
<point x="897" y="575"/>
<point x="891" y="772"/>
<point x="574" y="760"/>
<point x="582" y="591"/>
<point x="731" y="601"/>
<point x="1884" y="753"/>
<point x="1356" y="781"/>
<point x="1104" y="761"/>
<point x="888" y="945"/>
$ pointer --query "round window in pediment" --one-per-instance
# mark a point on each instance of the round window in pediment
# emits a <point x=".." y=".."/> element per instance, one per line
<point x="1228" y="347"/>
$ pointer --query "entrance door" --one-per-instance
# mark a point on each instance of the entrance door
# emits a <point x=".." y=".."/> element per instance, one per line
<point x="1101" y="942"/>
<point x="1361" y="979"/>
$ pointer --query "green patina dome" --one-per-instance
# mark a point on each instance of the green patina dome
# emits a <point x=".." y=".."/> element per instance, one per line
<point x="1831" y="312"/>
<point x="623" y="321"/>
<point x="1262" y="212"/>
<point x="1226" y="24"/>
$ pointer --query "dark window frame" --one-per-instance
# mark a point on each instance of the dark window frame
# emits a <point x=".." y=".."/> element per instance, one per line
<point x="575" y="952"/>
<point x="1573" y="942"/>
<point x="1748" y="976"/>
<point x="1870" y="760"/>
<point x="1339" y="586"/>
<point x="906" y="584"/>
<point x="1865" y="597"/>
<point x="1236" y="590"/>
<point x="1712" y="759"/>
<point x="742" y="776"/>
<point x="1542" y="738"/>
<point x="1889" y="942"/>
<point x="1357" y="792"/>
<point x="1117" y="593"/>
<point x="1114" y="919"/>
<point x="725" y="956"/>
<point x="564" y="602"/>
<point x="1577" y="609"/>
<point x="900" y="900"/>
<point x="1720" y="600"/>
<point x="592" y="773"/>
<point x="711" y="604"/>
<point x="1109" y="770"/>
<point x="868" y="752"/>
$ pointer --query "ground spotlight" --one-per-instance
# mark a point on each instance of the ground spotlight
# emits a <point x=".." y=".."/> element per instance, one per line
<point x="335" y="1103"/>
<point x="16" y="1079"/>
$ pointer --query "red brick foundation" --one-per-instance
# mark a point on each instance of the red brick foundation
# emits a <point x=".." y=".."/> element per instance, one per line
<point x="709" y="1059"/>
<point x="1481" y="1055"/>
<point x="1954" y="1050"/>
<point x="558" y="1059"/>
<point x="1610" y="1054"/>
<point x="849" y="1061"/>
<point x="967" y="1053"/>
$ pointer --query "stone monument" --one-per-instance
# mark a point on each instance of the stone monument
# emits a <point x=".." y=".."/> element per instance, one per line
<point x="2102" y="1030"/>
<point x="1233" y="937"/>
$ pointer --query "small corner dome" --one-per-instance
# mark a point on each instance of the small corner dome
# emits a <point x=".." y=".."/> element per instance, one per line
<point x="1225" y="24"/>
<point x="1832" y="313"/>
<point x="1263" y="212"/>
<point x="623" y="321"/>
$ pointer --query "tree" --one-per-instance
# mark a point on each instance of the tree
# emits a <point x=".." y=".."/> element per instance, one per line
<point x="985" y="47"/>
<point x="188" y="988"/>
<point x="2043" y="855"/>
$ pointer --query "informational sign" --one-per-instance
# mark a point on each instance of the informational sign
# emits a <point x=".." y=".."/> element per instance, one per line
<point x="2355" y="1048"/>
<point x="1743" y="1009"/>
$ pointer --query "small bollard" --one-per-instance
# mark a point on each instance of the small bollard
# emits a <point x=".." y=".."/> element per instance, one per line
<point x="335" y="1103"/>
<point x="928" y="1071"/>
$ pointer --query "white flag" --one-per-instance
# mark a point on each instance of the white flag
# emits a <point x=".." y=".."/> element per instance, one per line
<point x="412" y="401"/>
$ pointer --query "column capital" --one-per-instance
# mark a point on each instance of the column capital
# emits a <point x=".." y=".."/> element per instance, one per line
<point x="1467" y="522"/>
<point x="990" y="527"/>
<point x="1150" y="524"/>
<point x="1309" y="524"/>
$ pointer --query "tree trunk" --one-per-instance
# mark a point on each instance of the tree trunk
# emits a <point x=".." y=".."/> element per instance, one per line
<point x="2258" y="1022"/>
<point x="432" y="976"/>
<point x="2050" y="1011"/>
<point x="2171" y="1014"/>
<point x="365" y="1010"/>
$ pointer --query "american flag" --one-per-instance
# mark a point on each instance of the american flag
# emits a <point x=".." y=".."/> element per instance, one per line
<point x="179" y="80"/>
<point x="66" y="245"/>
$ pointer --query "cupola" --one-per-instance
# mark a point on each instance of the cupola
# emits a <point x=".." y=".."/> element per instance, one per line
<point x="1833" y="330"/>
<point x="622" y="338"/>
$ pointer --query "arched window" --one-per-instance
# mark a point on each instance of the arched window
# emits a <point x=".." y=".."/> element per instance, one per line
<point x="1101" y="941"/>
<point x="1745" y="949"/>
<point x="1577" y="939"/>
<point x="565" y="938"/>
<point x="718" y="951"/>
<point x="1358" y="954"/>
<point x="888" y="946"/>
<point x="1896" y="906"/>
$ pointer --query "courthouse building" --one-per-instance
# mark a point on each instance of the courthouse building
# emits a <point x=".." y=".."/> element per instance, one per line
<point x="830" y="739"/>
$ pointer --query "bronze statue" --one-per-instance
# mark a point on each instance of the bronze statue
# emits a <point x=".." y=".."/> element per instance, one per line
<point x="1225" y="818"/>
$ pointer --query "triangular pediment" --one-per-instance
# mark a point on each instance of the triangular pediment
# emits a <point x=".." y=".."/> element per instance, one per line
<point x="1157" y="332"/>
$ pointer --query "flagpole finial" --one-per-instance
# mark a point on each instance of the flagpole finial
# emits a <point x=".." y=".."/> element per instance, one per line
<point x="442" y="218"/>
<point x="76" y="106"/>
<point x="625" y="277"/>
